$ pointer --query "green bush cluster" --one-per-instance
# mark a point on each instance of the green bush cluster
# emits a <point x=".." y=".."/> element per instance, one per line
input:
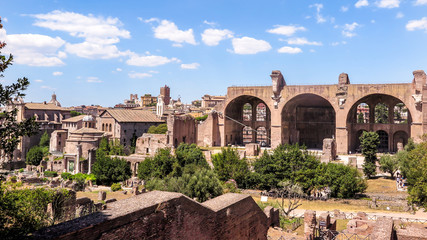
<point x="187" y="172"/>
<point x="50" y="174"/>
<point x="116" y="187"/>
<point x="160" y="129"/>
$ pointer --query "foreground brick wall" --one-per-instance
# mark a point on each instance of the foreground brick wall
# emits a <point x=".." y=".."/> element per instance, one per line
<point x="166" y="215"/>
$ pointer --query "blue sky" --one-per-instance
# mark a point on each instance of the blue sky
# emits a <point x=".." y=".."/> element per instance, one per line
<point x="98" y="52"/>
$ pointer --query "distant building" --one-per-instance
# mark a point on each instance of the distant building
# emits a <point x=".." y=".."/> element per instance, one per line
<point x="125" y="124"/>
<point x="209" y="101"/>
<point x="166" y="93"/>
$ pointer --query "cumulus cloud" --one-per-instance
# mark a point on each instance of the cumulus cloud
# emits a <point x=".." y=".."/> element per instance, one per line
<point x="348" y="29"/>
<point x="388" y="3"/>
<point x="289" y="50"/>
<point x="361" y="3"/>
<point x="287" y="30"/>
<point x="212" y="37"/>
<point x="168" y="30"/>
<point x="319" y="17"/>
<point x="119" y="69"/>
<point x="34" y="49"/>
<point x="99" y="34"/>
<point x="338" y="43"/>
<point x="420" y="2"/>
<point x="93" y="80"/>
<point x="247" y="45"/>
<point x="417" y="24"/>
<point x="302" y="41"/>
<point x="212" y="24"/>
<point x="344" y="9"/>
<point x="149" y="61"/>
<point x="139" y="75"/>
<point x="190" y="66"/>
<point x="57" y="73"/>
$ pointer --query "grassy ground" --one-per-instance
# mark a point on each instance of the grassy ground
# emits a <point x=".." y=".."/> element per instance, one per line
<point x="383" y="185"/>
<point x="94" y="195"/>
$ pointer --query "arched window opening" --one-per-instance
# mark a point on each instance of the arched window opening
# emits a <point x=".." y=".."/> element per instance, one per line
<point x="362" y="113"/>
<point x="383" y="136"/>
<point x="247" y="112"/>
<point x="110" y="127"/>
<point x="261" y="112"/>
<point x="381" y="113"/>
<point x="400" y="113"/>
<point x="103" y="129"/>
<point x="247" y="135"/>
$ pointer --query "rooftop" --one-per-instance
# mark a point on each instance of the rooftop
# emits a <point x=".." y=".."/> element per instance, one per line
<point x="131" y="115"/>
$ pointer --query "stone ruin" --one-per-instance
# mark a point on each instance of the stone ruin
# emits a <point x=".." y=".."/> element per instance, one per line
<point x="382" y="229"/>
<point x="329" y="152"/>
<point x="167" y="215"/>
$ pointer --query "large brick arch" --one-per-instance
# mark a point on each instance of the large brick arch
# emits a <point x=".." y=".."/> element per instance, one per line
<point x="391" y="128"/>
<point x="307" y="119"/>
<point x="234" y="122"/>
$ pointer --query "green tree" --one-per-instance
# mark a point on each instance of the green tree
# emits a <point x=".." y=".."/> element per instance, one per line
<point x="160" y="129"/>
<point x="75" y="113"/>
<point x="34" y="156"/>
<point x="11" y="131"/>
<point x="228" y="165"/>
<point x="44" y="140"/>
<point x="190" y="154"/>
<point x="287" y="162"/>
<point x="23" y="211"/>
<point x="369" y="142"/>
<point x="111" y="170"/>
<point x="204" y="185"/>
<point x="389" y="164"/>
<point x="343" y="181"/>
<point x="414" y="168"/>
<point x="381" y="113"/>
<point x="360" y="118"/>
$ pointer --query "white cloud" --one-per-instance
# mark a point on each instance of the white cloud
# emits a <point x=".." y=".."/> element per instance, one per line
<point x="289" y="50"/>
<point x="168" y="30"/>
<point x="247" y="45"/>
<point x="119" y="69"/>
<point x="149" y="61"/>
<point x="388" y="3"/>
<point x="139" y="75"/>
<point x="344" y="9"/>
<point x="4" y="19"/>
<point x="93" y="80"/>
<point x="212" y="37"/>
<point x="212" y="24"/>
<point x="302" y="41"/>
<point x="338" y="43"/>
<point x="48" y="88"/>
<point x="287" y="30"/>
<point x="420" y="2"/>
<point x="38" y="80"/>
<point x="417" y="24"/>
<point x="348" y="29"/>
<point x="34" y="49"/>
<point x="319" y="17"/>
<point x="152" y="71"/>
<point x="399" y="15"/>
<point x="190" y="66"/>
<point x="57" y="73"/>
<point x="99" y="34"/>
<point x="361" y="3"/>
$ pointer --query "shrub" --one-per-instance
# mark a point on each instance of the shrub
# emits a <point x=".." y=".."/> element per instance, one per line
<point x="34" y="156"/>
<point x="160" y="129"/>
<point x="44" y="140"/>
<point x="111" y="170"/>
<point x="369" y="142"/>
<point x="228" y="165"/>
<point x="50" y="174"/>
<point x="21" y="170"/>
<point x="66" y="176"/>
<point x="116" y="187"/>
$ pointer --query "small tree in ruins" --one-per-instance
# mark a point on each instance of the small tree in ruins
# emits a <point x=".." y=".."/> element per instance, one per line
<point x="290" y="195"/>
<point x="369" y="142"/>
<point x="10" y="130"/>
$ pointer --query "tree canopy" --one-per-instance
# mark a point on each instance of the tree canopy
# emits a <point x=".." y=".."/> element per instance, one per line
<point x="11" y="131"/>
<point x="369" y="142"/>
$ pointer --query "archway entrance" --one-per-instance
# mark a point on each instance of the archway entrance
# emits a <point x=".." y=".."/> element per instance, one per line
<point x="384" y="114"/>
<point x="247" y="120"/>
<point x="307" y="119"/>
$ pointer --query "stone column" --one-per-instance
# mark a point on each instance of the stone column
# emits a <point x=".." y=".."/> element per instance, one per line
<point x="77" y="162"/>
<point x="390" y="113"/>
<point x="371" y="113"/>
<point x="253" y="121"/>
<point x="309" y="224"/>
<point x="89" y="171"/>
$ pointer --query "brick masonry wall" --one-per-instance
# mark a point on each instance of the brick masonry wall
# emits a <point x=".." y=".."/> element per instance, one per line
<point x="166" y="215"/>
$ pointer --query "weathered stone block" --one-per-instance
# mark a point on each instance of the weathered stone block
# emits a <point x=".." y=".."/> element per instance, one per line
<point x="252" y="149"/>
<point x="102" y="195"/>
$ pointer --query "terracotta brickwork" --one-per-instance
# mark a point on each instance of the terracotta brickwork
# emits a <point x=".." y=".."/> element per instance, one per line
<point x="166" y="215"/>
